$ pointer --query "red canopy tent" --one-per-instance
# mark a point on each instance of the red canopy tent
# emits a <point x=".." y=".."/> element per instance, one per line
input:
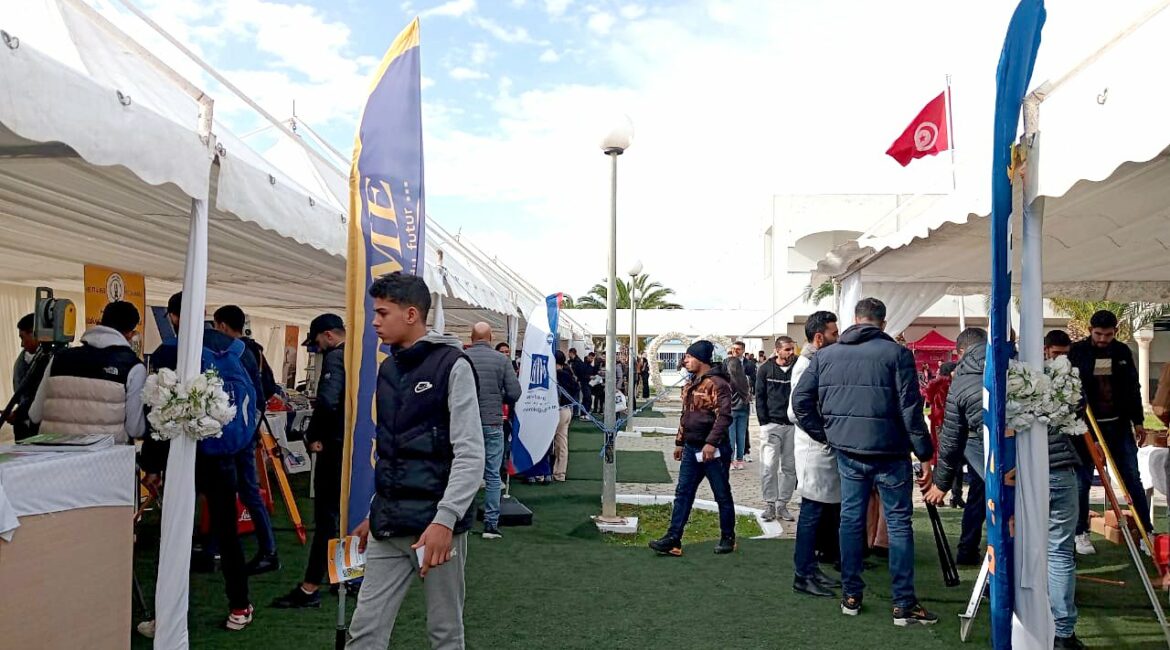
<point x="932" y="350"/>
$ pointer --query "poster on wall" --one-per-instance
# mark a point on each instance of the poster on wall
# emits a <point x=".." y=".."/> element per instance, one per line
<point x="292" y="342"/>
<point x="103" y="286"/>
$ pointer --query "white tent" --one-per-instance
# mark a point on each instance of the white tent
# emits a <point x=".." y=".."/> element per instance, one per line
<point x="1095" y="207"/>
<point x="108" y="156"/>
<point x="1105" y="178"/>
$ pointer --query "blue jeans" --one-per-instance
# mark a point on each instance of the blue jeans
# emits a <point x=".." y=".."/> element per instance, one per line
<point x="1062" y="567"/>
<point x="893" y="478"/>
<point x="690" y="474"/>
<point x="974" y="516"/>
<point x="738" y="431"/>
<point x="250" y="497"/>
<point x="807" y="525"/>
<point x="493" y="447"/>
<point x="1084" y="483"/>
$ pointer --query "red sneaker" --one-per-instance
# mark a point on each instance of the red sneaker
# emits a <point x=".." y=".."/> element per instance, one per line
<point x="239" y="619"/>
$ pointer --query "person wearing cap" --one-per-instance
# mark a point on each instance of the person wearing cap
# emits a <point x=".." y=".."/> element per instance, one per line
<point x="704" y="449"/>
<point x="325" y="437"/>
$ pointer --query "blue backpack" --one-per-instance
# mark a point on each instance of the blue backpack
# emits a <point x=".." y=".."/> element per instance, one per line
<point x="238" y="433"/>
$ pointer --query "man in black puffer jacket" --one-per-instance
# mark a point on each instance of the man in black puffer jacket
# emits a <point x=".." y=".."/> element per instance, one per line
<point x="861" y="397"/>
<point x="961" y="441"/>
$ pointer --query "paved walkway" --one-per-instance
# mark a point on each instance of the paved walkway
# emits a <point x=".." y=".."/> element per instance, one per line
<point x="745" y="484"/>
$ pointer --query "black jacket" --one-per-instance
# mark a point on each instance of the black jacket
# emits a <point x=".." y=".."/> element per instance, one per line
<point x="706" y="415"/>
<point x="1120" y="378"/>
<point x="568" y="383"/>
<point x="773" y="390"/>
<point x="267" y="378"/>
<point x="961" y="437"/>
<point x="327" y="425"/>
<point x="861" y="397"/>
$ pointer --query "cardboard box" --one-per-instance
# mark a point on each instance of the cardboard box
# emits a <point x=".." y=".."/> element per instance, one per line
<point x="67" y="578"/>
<point x="1113" y="535"/>
<point x="1111" y="519"/>
<point x="1097" y="525"/>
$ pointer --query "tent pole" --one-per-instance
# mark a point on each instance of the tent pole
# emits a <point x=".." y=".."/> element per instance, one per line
<point x="174" y="566"/>
<point x="1034" y="627"/>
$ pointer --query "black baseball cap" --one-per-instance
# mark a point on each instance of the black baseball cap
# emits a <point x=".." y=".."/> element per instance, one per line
<point x="322" y="324"/>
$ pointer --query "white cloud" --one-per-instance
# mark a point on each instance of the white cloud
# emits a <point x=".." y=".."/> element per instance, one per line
<point x="549" y="56"/>
<point x="514" y="34"/>
<point x="453" y="9"/>
<point x="425" y="82"/>
<point x="633" y="12"/>
<point x="467" y="74"/>
<point x="601" y="22"/>
<point x="480" y="53"/>
<point x="557" y="7"/>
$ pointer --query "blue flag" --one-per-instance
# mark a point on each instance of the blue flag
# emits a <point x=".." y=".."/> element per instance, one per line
<point x="1012" y="78"/>
<point x="386" y="234"/>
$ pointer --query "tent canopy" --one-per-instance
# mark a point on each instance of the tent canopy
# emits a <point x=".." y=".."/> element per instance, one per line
<point x="1106" y="191"/>
<point x="101" y="152"/>
<point x="932" y="342"/>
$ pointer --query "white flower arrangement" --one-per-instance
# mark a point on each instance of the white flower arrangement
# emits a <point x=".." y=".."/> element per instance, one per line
<point x="1050" y="396"/>
<point x="199" y="408"/>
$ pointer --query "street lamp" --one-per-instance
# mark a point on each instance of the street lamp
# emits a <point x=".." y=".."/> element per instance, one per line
<point x="635" y="271"/>
<point x="613" y="144"/>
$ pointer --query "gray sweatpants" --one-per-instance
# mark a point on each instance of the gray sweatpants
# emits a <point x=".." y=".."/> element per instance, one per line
<point x="391" y="567"/>
<point x="778" y="469"/>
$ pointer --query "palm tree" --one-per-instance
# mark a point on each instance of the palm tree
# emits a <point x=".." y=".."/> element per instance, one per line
<point x="816" y="295"/>
<point x="567" y="302"/>
<point x="1131" y="316"/>
<point x="651" y="295"/>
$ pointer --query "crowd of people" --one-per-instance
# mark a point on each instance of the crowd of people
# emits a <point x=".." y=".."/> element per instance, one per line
<point x="844" y="420"/>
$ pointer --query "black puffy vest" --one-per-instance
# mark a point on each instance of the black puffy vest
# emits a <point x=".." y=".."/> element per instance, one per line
<point x="109" y="364"/>
<point x="413" y="441"/>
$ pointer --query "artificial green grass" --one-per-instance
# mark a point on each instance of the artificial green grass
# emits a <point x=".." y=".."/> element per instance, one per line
<point x="632" y="467"/>
<point x="702" y="526"/>
<point x="558" y="584"/>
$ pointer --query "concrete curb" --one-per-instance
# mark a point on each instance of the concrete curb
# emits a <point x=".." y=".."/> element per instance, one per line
<point x="772" y="529"/>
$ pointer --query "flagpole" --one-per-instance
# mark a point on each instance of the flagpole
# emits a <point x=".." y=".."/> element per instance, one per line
<point x="951" y="136"/>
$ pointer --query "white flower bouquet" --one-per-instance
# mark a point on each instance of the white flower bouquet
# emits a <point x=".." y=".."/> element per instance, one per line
<point x="1049" y="396"/>
<point x="199" y="408"/>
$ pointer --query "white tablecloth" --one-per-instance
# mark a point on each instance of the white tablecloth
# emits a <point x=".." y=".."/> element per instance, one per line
<point x="40" y="483"/>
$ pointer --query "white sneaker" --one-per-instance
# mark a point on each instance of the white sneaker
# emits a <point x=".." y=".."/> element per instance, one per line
<point x="1085" y="545"/>
<point x="146" y="629"/>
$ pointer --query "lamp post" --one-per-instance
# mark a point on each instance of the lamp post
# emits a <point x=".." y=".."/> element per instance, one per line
<point x="613" y="144"/>
<point x="635" y="271"/>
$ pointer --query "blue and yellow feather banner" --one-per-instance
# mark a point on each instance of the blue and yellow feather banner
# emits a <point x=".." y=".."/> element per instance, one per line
<point x="386" y="234"/>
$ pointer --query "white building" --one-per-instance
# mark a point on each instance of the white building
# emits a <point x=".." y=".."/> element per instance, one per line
<point x="802" y="230"/>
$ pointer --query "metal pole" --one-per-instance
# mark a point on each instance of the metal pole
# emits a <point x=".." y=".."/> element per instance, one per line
<point x="951" y="136"/>
<point x="630" y="378"/>
<point x="609" y="467"/>
<point x="1033" y="626"/>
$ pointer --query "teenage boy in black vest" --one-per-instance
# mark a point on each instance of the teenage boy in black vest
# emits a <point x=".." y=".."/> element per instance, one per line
<point x="429" y="465"/>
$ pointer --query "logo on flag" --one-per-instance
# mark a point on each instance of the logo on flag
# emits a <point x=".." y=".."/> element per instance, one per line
<point x="926" y="135"/>
<point x="538" y="378"/>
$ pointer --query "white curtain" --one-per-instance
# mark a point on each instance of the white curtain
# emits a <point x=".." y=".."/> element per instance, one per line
<point x="847" y="298"/>
<point x="905" y="302"/>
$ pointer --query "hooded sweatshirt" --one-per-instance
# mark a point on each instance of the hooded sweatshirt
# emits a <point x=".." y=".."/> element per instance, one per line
<point x="95" y="387"/>
<point x="706" y="409"/>
<point x="861" y="396"/>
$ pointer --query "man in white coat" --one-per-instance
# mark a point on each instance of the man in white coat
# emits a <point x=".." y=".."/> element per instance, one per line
<point x="816" y="468"/>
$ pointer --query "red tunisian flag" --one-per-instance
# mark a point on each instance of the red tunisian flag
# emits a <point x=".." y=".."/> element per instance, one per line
<point x="926" y="135"/>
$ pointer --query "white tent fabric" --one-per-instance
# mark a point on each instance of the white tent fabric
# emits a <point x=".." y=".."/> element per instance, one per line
<point x="102" y="162"/>
<point x="1107" y="189"/>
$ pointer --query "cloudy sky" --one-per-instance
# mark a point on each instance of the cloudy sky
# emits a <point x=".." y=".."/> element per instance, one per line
<point x="732" y="101"/>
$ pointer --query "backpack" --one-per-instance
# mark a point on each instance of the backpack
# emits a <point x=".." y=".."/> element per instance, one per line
<point x="238" y="433"/>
